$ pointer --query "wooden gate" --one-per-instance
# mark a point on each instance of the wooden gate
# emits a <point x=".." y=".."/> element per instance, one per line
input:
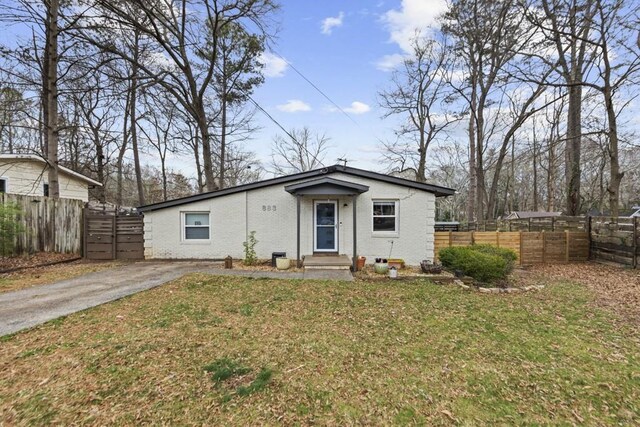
<point x="113" y="236"/>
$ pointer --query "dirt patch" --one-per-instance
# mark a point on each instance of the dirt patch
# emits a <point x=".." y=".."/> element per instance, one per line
<point x="616" y="288"/>
<point x="263" y="265"/>
<point x="34" y="276"/>
<point x="37" y="259"/>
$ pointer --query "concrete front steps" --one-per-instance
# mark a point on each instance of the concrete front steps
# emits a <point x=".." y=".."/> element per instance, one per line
<point x="326" y="262"/>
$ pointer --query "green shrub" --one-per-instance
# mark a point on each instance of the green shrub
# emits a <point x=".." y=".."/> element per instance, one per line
<point x="250" y="257"/>
<point x="9" y="227"/>
<point x="486" y="264"/>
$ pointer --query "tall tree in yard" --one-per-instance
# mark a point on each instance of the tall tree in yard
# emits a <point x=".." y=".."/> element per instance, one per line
<point x="566" y="26"/>
<point x="238" y="73"/>
<point x="180" y="31"/>
<point x="487" y="35"/>
<point x="420" y="94"/>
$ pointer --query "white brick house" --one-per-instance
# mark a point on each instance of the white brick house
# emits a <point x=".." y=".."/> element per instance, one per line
<point x="300" y="214"/>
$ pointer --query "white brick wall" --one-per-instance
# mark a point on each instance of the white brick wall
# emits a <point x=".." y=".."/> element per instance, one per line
<point x="233" y="216"/>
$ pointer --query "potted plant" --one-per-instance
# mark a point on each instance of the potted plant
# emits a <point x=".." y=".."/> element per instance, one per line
<point x="283" y="263"/>
<point x="398" y="263"/>
<point x="360" y="261"/>
<point x="381" y="266"/>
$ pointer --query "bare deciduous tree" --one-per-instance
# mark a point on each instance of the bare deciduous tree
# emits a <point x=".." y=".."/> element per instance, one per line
<point x="299" y="151"/>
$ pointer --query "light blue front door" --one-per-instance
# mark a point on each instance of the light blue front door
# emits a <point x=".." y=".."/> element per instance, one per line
<point x="326" y="226"/>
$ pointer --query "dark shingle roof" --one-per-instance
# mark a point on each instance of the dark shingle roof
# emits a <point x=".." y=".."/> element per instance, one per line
<point x="435" y="189"/>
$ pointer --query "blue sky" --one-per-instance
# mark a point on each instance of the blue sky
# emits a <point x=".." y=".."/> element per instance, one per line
<point x="344" y="48"/>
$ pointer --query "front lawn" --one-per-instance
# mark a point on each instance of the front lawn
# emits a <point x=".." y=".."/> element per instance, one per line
<point x="221" y="350"/>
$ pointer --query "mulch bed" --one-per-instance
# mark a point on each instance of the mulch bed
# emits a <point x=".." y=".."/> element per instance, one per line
<point x="39" y="259"/>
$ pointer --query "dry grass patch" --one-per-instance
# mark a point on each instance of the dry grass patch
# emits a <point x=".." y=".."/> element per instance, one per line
<point x="43" y="275"/>
<point x="238" y="351"/>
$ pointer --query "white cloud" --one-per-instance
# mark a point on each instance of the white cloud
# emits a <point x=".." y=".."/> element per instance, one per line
<point x="413" y="15"/>
<point x="274" y="66"/>
<point x="390" y="62"/>
<point x="356" y="107"/>
<point x="331" y="22"/>
<point x="294" y="106"/>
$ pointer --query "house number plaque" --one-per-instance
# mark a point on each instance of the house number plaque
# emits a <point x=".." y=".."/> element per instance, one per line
<point x="269" y="208"/>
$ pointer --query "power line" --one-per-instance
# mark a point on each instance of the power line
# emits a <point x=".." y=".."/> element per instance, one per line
<point x="316" y="88"/>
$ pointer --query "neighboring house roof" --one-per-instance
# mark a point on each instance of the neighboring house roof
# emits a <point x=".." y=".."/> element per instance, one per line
<point x="35" y="158"/>
<point x="637" y="212"/>
<point x="435" y="189"/>
<point x="531" y="214"/>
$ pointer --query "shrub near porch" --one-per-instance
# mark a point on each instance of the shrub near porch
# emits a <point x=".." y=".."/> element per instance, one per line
<point x="338" y="353"/>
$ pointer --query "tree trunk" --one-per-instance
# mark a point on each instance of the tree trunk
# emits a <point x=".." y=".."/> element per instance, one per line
<point x="50" y="95"/>
<point x="471" y="195"/>
<point x="122" y="150"/>
<point x="223" y="136"/>
<point x="614" y="162"/>
<point x="100" y="163"/>
<point x="205" y="137"/>
<point x="134" y="121"/>
<point x="422" y="161"/>
<point x="573" y="150"/>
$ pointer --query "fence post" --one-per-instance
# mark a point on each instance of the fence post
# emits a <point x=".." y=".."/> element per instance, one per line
<point x="450" y="238"/>
<point x="553" y="224"/>
<point x="498" y="238"/>
<point x="544" y="247"/>
<point x="473" y="237"/>
<point x="589" y="236"/>
<point x="521" y="246"/>
<point x="566" y="246"/>
<point x="635" y="242"/>
<point x="529" y="227"/>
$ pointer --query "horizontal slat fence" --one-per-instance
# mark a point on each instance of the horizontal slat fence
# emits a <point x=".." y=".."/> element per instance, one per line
<point x="113" y="235"/>
<point x="557" y="223"/>
<point x="616" y="241"/>
<point x="46" y="224"/>
<point x="532" y="247"/>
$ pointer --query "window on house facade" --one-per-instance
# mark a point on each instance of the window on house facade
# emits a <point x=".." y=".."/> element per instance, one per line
<point x="45" y="189"/>
<point x="385" y="216"/>
<point x="196" y="225"/>
<point x="3" y="185"/>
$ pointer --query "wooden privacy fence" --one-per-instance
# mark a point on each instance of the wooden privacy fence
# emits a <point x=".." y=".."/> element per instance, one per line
<point x="532" y="247"/>
<point x="46" y="224"/>
<point x="557" y="223"/>
<point x="111" y="235"/>
<point x="617" y="242"/>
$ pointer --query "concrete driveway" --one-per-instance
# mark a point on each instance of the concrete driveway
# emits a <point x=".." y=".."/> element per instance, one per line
<point x="32" y="306"/>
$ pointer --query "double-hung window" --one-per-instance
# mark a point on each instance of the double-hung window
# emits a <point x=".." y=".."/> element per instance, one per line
<point x="385" y="216"/>
<point x="196" y="226"/>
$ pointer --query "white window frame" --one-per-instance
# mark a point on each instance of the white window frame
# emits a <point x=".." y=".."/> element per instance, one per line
<point x="6" y="184"/>
<point x="183" y="227"/>
<point x="386" y="233"/>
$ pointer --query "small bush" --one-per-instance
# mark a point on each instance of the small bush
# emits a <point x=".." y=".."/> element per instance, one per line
<point x="484" y="263"/>
<point x="250" y="257"/>
<point x="9" y="227"/>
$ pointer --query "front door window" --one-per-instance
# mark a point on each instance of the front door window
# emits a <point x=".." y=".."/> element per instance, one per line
<point x="326" y="227"/>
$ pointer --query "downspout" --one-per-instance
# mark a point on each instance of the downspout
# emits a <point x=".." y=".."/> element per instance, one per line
<point x="298" y="197"/>
<point x="355" y="250"/>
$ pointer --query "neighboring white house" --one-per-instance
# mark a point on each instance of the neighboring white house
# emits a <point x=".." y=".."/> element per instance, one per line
<point x="27" y="174"/>
<point x="302" y="214"/>
<point x="636" y="213"/>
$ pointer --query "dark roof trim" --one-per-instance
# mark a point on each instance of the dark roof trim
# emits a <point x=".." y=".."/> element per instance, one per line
<point x="334" y="186"/>
<point x="435" y="189"/>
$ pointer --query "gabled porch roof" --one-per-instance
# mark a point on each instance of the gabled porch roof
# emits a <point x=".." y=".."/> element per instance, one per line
<point x="325" y="186"/>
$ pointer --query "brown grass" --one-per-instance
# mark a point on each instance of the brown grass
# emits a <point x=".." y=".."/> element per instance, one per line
<point x="341" y="354"/>
<point x="42" y="275"/>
